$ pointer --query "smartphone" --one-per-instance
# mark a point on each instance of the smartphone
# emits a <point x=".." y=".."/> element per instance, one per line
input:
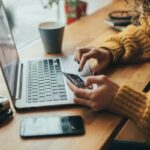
<point x="75" y="79"/>
<point x="51" y="126"/>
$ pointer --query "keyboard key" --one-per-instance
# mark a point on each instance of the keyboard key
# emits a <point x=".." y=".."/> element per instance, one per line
<point x="34" y="101"/>
<point x="64" y="97"/>
<point x="45" y="78"/>
<point x="48" y="98"/>
<point x="62" y="91"/>
<point x="41" y="99"/>
<point x="55" y="97"/>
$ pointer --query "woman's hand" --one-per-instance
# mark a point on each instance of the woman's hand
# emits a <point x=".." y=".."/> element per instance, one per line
<point x="99" y="98"/>
<point x="102" y="56"/>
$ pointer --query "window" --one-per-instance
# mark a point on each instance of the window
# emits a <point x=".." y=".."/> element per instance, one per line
<point x="25" y="15"/>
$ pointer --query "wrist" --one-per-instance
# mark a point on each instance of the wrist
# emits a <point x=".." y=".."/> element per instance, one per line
<point x="114" y="90"/>
<point x="129" y="103"/>
<point x="109" y="55"/>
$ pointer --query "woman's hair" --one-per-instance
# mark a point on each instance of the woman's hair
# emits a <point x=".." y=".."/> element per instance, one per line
<point x="139" y="7"/>
<point x="138" y="4"/>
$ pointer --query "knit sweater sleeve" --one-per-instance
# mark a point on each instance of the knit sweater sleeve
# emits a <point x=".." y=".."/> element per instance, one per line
<point x="134" y="105"/>
<point x="132" y="44"/>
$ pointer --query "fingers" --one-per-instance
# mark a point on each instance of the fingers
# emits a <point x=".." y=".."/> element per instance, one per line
<point x="93" y="53"/>
<point x="81" y="96"/>
<point x="82" y="55"/>
<point x="82" y="101"/>
<point x="84" y="59"/>
<point x="91" y="104"/>
<point x="79" y="52"/>
<point x="102" y="56"/>
<point x="95" y="79"/>
<point x="83" y="93"/>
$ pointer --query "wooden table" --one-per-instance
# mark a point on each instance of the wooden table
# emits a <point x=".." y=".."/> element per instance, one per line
<point x="100" y="126"/>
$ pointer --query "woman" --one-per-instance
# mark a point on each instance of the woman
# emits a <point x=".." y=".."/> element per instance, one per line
<point x="131" y="45"/>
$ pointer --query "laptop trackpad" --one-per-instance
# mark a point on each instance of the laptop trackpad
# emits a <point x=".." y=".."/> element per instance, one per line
<point x="71" y="66"/>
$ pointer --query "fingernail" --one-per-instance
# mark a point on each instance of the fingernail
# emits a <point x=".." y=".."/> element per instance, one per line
<point x="78" y="62"/>
<point x="79" y="70"/>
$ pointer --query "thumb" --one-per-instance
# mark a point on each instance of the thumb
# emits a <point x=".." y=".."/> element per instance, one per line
<point x="93" y="79"/>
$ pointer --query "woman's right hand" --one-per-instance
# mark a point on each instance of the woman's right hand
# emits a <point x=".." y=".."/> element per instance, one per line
<point x="102" y="56"/>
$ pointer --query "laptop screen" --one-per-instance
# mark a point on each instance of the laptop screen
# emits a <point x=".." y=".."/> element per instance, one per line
<point x="8" y="53"/>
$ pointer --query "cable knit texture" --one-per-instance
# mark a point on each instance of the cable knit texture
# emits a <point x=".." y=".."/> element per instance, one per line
<point x="132" y="45"/>
<point x="136" y="106"/>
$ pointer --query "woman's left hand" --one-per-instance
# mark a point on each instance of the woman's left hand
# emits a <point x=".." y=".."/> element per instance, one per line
<point x="99" y="98"/>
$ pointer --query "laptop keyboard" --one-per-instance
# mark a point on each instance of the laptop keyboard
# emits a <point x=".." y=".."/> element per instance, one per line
<point x="45" y="81"/>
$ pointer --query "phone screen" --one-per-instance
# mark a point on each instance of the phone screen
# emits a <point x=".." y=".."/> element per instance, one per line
<point x="51" y="126"/>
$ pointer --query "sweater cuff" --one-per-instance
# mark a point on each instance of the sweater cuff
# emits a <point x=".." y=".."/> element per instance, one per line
<point x="129" y="103"/>
<point x="115" y="49"/>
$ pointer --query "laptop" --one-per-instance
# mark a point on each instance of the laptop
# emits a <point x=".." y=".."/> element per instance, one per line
<point x="38" y="82"/>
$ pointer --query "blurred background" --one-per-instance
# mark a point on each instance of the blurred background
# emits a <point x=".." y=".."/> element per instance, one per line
<point x="25" y="15"/>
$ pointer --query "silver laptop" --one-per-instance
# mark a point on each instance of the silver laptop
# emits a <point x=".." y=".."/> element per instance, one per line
<point x="37" y="82"/>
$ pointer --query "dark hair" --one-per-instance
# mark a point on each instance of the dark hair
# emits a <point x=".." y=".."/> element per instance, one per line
<point x="139" y="7"/>
<point x="145" y="4"/>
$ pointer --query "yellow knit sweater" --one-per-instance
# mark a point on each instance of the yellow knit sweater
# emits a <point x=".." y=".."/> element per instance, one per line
<point x="131" y="45"/>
